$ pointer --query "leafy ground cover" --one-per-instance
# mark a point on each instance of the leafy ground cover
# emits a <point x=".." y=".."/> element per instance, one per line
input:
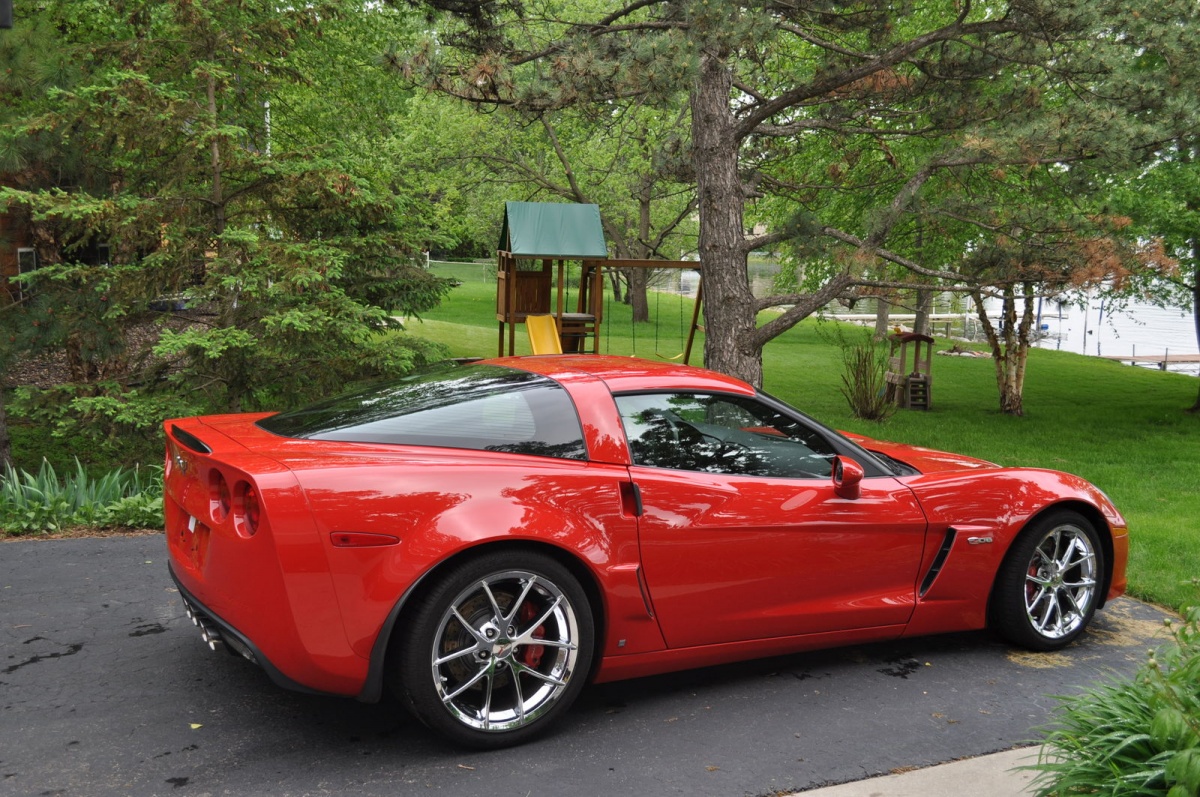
<point x="1132" y="736"/>
<point x="1120" y="427"/>
<point x="41" y="502"/>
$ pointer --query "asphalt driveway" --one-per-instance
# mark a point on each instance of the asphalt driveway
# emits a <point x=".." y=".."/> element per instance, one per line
<point x="106" y="689"/>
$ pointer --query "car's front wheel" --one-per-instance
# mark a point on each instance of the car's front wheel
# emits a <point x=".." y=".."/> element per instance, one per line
<point x="497" y="650"/>
<point x="1049" y="585"/>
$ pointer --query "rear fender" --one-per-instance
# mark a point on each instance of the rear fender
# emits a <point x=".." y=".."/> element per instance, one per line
<point x="272" y="585"/>
<point x="575" y="509"/>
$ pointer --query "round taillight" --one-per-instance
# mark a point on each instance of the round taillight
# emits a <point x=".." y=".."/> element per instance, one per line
<point x="220" y="497"/>
<point x="247" y="511"/>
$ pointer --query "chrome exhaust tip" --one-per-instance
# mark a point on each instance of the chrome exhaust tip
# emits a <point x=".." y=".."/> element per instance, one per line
<point x="211" y="636"/>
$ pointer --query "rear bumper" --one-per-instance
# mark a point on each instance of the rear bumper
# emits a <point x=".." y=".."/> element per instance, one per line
<point x="218" y="634"/>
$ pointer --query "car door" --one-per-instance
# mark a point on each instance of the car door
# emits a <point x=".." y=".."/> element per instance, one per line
<point x="742" y="534"/>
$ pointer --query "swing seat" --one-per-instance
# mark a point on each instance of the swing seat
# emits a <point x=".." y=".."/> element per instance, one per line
<point x="543" y="334"/>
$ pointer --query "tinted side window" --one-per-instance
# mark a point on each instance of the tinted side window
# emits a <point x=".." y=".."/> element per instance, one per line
<point x="485" y="408"/>
<point x="721" y="434"/>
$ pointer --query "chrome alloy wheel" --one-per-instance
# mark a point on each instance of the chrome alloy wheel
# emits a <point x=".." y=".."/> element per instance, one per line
<point x="505" y="650"/>
<point x="1060" y="581"/>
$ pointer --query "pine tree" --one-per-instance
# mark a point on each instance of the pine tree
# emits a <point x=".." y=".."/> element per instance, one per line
<point x="214" y="181"/>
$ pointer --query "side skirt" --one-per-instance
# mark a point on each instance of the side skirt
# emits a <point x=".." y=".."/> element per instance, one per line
<point x="638" y="665"/>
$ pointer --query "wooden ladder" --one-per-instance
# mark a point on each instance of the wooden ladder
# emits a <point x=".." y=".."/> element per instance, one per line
<point x="916" y="393"/>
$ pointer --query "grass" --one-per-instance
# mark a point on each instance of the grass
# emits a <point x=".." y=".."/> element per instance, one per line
<point x="1122" y="428"/>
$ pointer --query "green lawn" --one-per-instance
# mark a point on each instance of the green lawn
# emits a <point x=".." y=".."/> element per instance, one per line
<point x="1121" y="427"/>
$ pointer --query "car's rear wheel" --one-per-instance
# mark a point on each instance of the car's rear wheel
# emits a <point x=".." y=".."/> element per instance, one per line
<point x="499" y="648"/>
<point x="1048" y="587"/>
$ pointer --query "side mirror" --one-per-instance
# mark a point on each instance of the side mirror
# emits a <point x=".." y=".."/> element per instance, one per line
<point x="846" y="477"/>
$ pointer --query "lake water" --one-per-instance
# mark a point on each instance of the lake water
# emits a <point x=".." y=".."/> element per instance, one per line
<point x="1138" y="328"/>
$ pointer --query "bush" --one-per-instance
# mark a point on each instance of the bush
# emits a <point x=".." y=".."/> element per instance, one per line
<point x="41" y="502"/>
<point x="1139" y="737"/>
<point x="863" y="379"/>
<point x="103" y="424"/>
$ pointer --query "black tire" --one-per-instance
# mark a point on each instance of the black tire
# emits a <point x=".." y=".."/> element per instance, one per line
<point x="1049" y="585"/>
<point x="497" y="651"/>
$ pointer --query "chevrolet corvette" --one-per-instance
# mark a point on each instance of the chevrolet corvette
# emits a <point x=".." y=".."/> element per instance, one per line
<point x="485" y="539"/>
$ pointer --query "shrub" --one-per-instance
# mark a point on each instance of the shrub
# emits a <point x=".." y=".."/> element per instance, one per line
<point x="141" y="511"/>
<point x="1137" y="737"/>
<point x="863" y="378"/>
<point x="102" y="424"/>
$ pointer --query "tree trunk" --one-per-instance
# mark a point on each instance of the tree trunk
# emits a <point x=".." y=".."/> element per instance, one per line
<point x="729" y="317"/>
<point x="1010" y="346"/>
<point x="218" y="197"/>
<point x="883" y="309"/>
<point x="636" y="295"/>
<point x="1196" y="305"/>
<point x="639" y="278"/>
<point x="921" y="324"/>
<point x="615" y="282"/>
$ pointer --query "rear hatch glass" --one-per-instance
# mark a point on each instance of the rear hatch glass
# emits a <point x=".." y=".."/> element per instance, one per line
<point x="479" y="407"/>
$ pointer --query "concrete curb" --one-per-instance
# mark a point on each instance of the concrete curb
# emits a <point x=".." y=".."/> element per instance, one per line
<point x="995" y="775"/>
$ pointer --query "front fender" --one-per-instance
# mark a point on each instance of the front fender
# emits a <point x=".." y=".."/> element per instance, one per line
<point x="987" y="510"/>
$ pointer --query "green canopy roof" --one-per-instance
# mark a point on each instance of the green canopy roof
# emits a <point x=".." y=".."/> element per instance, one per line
<point x="552" y="229"/>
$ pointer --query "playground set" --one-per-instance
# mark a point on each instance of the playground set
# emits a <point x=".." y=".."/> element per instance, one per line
<point x="537" y="240"/>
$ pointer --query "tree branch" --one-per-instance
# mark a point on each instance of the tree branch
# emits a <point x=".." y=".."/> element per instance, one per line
<point x="890" y="256"/>
<point x="833" y="82"/>
<point x="805" y="306"/>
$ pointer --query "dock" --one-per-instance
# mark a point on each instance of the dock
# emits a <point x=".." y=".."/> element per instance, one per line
<point x="1160" y="360"/>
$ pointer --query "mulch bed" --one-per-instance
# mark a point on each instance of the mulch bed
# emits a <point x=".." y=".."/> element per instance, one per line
<point x="50" y="368"/>
<point x="78" y="533"/>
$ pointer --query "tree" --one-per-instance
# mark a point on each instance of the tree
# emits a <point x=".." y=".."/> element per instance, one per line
<point x="32" y="63"/>
<point x="218" y="183"/>
<point x="1163" y="202"/>
<point x="769" y="78"/>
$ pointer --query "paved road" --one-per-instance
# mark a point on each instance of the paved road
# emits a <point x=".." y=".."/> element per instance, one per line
<point x="106" y="689"/>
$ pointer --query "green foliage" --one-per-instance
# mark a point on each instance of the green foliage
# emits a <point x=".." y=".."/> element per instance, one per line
<point x="42" y="501"/>
<point x="1137" y="737"/>
<point x="141" y="511"/>
<point x="102" y="422"/>
<point x="214" y="154"/>
<point x="880" y="141"/>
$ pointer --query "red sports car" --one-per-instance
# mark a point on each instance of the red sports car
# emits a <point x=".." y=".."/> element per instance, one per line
<point x="484" y="539"/>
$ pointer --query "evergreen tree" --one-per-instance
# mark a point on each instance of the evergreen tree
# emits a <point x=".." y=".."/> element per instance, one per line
<point x="214" y="182"/>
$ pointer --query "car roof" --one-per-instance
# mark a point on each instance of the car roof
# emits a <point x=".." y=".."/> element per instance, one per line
<point x="627" y="374"/>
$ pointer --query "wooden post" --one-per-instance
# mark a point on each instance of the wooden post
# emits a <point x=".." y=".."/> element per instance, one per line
<point x="596" y="297"/>
<point x="687" y="350"/>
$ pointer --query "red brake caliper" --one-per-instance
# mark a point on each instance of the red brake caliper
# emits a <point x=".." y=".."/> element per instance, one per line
<point x="531" y="655"/>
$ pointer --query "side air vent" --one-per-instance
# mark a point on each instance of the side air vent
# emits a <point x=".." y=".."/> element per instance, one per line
<point x="938" y="561"/>
<point x="190" y="440"/>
